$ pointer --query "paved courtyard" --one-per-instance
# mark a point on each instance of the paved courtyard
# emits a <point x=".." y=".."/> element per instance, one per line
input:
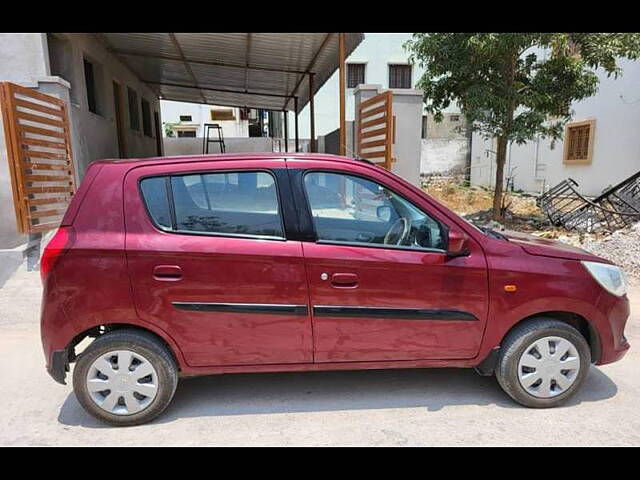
<point x="396" y="407"/>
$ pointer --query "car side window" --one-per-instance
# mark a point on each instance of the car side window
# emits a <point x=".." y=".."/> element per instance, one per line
<point x="154" y="190"/>
<point x="231" y="203"/>
<point x="351" y="209"/>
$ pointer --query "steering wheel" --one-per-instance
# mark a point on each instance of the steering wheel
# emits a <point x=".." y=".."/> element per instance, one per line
<point x="403" y="235"/>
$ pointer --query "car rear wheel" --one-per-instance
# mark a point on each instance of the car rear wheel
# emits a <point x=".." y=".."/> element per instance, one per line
<point x="125" y="377"/>
<point x="543" y="362"/>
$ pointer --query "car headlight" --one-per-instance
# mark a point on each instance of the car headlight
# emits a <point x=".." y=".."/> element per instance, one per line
<point x="610" y="277"/>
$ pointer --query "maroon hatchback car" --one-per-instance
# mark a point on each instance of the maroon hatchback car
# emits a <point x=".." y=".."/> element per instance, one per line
<point x="269" y="262"/>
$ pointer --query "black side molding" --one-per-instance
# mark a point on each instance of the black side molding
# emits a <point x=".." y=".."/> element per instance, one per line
<point x="394" y="313"/>
<point x="269" y="308"/>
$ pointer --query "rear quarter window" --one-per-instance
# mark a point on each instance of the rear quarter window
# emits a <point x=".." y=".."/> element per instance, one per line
<point x="154" y="191"/>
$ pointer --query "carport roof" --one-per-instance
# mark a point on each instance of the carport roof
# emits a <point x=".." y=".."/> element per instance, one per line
<point x="257" y="70"/>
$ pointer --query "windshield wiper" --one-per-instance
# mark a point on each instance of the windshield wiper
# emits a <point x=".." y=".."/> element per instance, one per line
<point x="492" y="233"/>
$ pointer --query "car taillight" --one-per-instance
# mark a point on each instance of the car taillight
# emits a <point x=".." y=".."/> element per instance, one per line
<point x="57" y="246"/>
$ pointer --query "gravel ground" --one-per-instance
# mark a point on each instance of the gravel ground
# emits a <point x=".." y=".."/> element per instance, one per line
<point x="621" y="247"/>
<point x="379" y="408"/>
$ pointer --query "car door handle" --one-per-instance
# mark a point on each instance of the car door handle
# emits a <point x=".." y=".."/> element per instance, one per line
<point x="167" y="272"/>
<point x="344" y="280"/>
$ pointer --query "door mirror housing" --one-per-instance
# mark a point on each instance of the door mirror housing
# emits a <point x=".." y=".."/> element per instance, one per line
<point x="457" y="243"/>
<point x="383" y="213"/>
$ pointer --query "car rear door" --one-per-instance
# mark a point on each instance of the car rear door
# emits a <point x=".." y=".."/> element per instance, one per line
<point x="378" y="302"/>
<point x="210" y="262"/>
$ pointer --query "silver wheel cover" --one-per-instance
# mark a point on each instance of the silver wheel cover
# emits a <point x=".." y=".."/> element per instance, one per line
<point x="122" y="382"/>
<point x="548" y="367"/>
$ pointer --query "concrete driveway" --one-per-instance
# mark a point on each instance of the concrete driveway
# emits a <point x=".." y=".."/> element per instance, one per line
<point x="396" y="407"/>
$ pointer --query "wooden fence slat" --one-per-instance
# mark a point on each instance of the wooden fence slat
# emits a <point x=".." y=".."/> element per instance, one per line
<point x="378" y="154"/>
<point x="39" y="154"/>
<point x="30" y="190"/>
<point x="41" y="143"/>
<point x="47" y="178"/>
<point x="44" y="227"/>
<point x="39" y="108"/>
<point x="40" y="131"/>
<point x="30" y="92"/>
<point x="374" y="122"/>
<point x="375" y="143"/>
<point x="375" y="111"/>
<point x="47" y="201"/>
<point x="46" y="166"/>
<point x="370" y="101"/>
<point x="374" y="133"/>
<point x="39" y="119"/>
<point x="47" y="213"/>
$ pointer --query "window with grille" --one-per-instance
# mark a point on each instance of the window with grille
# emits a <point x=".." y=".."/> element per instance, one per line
<point x="355" y="74"/>
<point x="578" y="143"/>
<point x="399" y="76"/>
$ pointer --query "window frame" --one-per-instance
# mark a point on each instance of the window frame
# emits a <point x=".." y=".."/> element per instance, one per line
<point x="444" y="228"/>
<point x="232" y="118"/>
<point x="146" y="132"/>
<point x="364" y="73"/>
<point x="137" y="109"/>
<point x="591" y="123"/>
<point x="96" y="75"/>
<point x="408" y="65"/>
<point x="172" y="208"/>
<point x="186" y="130"/>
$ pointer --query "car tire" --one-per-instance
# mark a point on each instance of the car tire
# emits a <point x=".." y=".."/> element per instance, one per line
<point x="146" y="351"/>
<point x="518" y="364"/>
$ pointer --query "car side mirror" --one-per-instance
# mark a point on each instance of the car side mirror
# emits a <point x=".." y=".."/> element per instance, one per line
<point x="457" y="244"/>
<point x="383" y="213"/>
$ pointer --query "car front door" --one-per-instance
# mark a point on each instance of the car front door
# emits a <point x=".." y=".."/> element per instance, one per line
<point x="382" y="287"/>
<point x="211" y="264"/>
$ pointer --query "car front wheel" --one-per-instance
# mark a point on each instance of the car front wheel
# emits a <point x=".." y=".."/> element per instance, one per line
<point x="543" y="362"/>
<point x="125" y="377"/>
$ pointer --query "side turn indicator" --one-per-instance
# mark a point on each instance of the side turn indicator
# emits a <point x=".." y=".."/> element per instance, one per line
<point x="510" y="288"/>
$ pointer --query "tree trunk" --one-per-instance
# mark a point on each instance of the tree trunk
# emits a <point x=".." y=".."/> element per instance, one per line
<point x="501" y="156"/>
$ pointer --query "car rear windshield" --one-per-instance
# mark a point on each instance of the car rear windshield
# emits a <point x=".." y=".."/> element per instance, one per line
<point x="229" y="203"/>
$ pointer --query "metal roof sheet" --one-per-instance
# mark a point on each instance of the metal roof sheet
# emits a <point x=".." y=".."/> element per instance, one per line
<point x="257" y="70"/>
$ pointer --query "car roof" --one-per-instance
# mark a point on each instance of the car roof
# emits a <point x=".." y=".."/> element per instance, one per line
<point x="254" y="156"/>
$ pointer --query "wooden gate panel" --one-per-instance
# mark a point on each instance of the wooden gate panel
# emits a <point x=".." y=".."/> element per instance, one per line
<point x="38" y="141"/>
<point x="375" y="129"/>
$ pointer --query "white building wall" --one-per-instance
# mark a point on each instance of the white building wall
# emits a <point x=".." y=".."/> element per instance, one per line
<point x="616" y="148"/>
<point x="377" y="51"/>
<point x="443" y="155"/>
<point x="94" y="135"/>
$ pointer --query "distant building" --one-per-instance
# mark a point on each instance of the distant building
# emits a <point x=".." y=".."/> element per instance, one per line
<point x="182" y="119"/>
<point x="601" y="145"/>
<point x="381" y="60"/>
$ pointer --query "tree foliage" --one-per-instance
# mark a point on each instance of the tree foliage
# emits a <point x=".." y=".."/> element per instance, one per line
<point x="515" y="86"/>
